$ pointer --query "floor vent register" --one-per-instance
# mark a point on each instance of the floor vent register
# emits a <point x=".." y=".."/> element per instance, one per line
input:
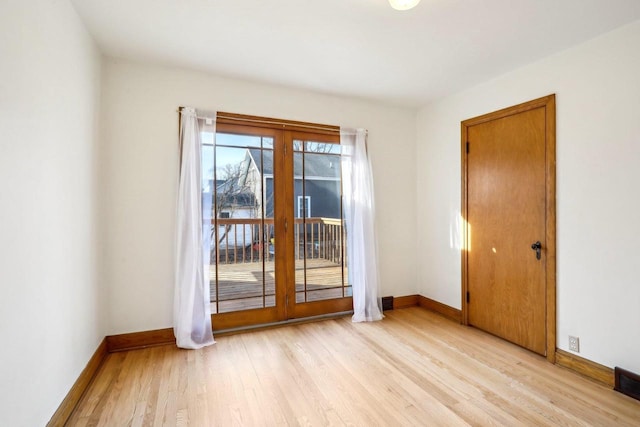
<point x="627" y="383"/>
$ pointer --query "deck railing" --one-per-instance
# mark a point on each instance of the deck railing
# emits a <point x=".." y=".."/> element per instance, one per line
<point x="241" y="240"/>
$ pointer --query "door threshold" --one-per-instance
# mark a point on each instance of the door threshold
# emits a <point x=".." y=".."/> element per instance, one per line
<point x="289" y="322"/>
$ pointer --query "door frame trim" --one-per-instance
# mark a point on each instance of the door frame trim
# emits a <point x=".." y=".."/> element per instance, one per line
<point x="549" y="104"/>
<point x="285" y="309"/>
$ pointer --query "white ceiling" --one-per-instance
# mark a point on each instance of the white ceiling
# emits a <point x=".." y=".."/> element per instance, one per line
<point x="360" y="48"/>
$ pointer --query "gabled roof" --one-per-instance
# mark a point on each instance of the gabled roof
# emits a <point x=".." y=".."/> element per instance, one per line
<point x="315" y="164"/>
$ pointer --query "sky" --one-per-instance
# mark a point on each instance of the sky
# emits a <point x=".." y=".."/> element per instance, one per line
<point x="231" y="150"/>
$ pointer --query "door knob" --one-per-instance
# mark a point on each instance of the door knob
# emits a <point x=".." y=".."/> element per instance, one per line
<point x="537" y="246"/>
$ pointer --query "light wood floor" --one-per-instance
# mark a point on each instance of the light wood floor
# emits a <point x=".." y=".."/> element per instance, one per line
<point x="412" y="368"/>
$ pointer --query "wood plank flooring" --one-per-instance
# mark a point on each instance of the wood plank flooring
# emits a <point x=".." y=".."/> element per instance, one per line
<point x="412" y="368"/>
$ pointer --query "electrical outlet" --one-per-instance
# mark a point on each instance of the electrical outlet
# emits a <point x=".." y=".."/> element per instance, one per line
<point x="574" y="344"/>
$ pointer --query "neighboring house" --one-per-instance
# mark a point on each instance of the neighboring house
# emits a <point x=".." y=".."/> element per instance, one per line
<point x="233" y="201"/>
<point x="322" y="193"/>
<point x="317" y="194"/>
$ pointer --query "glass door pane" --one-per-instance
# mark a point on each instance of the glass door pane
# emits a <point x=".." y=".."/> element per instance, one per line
<point x="239" y="187"/>
<point x="319" y="240"/>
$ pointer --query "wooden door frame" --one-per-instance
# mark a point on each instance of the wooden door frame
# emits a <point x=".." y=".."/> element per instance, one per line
<point x="294" y="309"/>
<point x="265" y="315"/>
<point x="549" y="104"/>
<point x="283" y="132"/>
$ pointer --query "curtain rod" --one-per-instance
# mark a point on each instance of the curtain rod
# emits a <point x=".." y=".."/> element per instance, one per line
<point x="280" y="123"/>
<point x="284" y="124"/>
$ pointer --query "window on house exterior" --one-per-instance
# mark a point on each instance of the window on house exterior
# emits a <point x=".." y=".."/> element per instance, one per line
<point x="304" y="207"/>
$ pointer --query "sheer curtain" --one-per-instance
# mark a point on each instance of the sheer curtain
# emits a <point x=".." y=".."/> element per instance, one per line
<point x="359" y="208"/>
<point x="192" y="312"/>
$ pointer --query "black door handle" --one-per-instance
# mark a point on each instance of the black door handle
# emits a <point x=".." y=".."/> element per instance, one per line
<point x="537" y="246"/>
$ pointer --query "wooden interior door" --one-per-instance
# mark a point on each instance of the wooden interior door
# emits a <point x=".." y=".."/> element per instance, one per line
<point x="507" y="202"/>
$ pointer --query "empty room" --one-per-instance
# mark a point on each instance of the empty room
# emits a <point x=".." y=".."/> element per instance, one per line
<point x="320" y="212"/>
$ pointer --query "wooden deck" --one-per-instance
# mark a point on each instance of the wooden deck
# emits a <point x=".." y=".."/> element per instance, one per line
<point x="242" y="286"/>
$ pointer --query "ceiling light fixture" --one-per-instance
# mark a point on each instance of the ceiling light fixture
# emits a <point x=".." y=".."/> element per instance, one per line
<point x="403" y="4"/>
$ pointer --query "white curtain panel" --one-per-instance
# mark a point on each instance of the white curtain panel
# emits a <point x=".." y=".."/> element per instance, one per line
<point x="359" y="209"/>
<point x="192" y="312"/>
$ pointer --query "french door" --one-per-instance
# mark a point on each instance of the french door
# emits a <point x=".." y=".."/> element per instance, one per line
<point x="273" y="196"/>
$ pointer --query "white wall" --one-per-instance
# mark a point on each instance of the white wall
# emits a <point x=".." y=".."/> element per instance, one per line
<point x="598" y="157"/>
<point x="140" y="128"/>
<point x="51" y="307"/>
